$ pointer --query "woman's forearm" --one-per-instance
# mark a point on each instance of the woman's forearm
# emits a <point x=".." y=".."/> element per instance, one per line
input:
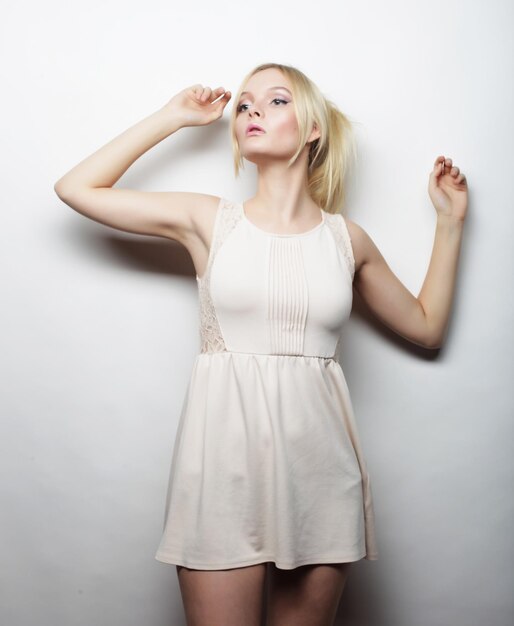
<point x="105" y="166"/>
<point x="436" y="294"/>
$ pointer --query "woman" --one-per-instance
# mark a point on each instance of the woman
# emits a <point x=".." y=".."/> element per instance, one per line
<point x="267" y="474"/>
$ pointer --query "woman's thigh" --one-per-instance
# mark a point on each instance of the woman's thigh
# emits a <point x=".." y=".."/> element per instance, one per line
<point x="229" y="597"/>
<point x="305" y="596"/>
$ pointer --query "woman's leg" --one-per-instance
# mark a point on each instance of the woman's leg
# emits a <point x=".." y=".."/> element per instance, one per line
<point x="230" y="597"/>
<point x="305" y="596"/>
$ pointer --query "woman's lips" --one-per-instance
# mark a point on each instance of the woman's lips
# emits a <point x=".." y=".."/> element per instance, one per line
<point x="252" y="129"/>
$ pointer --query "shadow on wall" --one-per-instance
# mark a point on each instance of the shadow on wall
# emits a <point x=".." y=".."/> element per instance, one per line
<point x="156" y="255"/>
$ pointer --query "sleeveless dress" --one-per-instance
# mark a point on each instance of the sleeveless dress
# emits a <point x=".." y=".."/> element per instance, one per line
<point x="267" y="464"/>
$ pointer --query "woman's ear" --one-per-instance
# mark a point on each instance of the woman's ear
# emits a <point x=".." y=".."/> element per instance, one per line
<point x="315" y="133"/>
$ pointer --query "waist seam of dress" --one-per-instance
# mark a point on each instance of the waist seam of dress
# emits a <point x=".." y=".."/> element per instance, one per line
<point x="303" y="356"/>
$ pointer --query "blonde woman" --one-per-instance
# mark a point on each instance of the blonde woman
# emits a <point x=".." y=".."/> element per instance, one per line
<point x="269" y="499"/>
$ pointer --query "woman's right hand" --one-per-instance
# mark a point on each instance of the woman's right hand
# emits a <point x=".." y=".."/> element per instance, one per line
<point x="194" y="105"/>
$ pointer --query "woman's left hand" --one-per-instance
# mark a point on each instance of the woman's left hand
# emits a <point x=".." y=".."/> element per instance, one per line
<point x="448" y="189"/>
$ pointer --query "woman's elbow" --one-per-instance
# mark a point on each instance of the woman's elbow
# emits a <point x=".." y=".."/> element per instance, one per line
<point x="60" y="189"/>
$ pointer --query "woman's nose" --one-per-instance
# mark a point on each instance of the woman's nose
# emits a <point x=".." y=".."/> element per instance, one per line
<point x="252" y="109"/>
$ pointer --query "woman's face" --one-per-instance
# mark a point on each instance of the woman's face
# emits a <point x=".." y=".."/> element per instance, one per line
<point x="268" y="103"/>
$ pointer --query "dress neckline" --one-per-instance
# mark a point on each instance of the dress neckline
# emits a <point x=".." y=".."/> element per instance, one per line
<point x="270" y="234"/>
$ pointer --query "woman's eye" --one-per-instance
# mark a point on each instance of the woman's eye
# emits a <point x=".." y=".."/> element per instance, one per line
<point x="240" y="107"/>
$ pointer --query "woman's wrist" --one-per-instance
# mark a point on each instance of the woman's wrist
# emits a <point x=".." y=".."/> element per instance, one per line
<point x="169" y="120"/>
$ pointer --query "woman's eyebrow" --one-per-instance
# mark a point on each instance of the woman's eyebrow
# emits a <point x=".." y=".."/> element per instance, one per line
<point x="270" y="89"/>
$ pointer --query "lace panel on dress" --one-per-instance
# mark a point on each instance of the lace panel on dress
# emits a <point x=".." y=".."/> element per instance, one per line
<point x="339" y="229"/>
<point x="211" y="339"/>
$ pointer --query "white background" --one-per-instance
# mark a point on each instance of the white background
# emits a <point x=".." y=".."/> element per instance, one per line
<point x="99" y="328"/>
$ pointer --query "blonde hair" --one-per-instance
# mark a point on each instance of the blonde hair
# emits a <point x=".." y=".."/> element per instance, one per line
<point x="329" y="156"/>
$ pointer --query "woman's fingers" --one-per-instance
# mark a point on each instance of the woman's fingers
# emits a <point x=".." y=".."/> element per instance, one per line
<point x="217" y="93"/>
<point x="206" y="94"/>
<point x="226" y="96"/>
<point x="447" y="166"/>
<point x="443" y="165"/>
<point x="438" y="166"/>
<point x="201" y="92"/>
<point x="197" y="90"/>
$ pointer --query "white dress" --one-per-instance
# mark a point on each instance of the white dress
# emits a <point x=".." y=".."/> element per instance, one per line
<point x="267" y="464"/>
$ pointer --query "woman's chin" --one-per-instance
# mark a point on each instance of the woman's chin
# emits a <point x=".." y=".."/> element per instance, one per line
<point x="260" y="158"/>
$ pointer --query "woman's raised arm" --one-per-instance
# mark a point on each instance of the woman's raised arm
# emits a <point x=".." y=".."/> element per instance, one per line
<point x="87" y="188"/>
<point x="422" y="320"/>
